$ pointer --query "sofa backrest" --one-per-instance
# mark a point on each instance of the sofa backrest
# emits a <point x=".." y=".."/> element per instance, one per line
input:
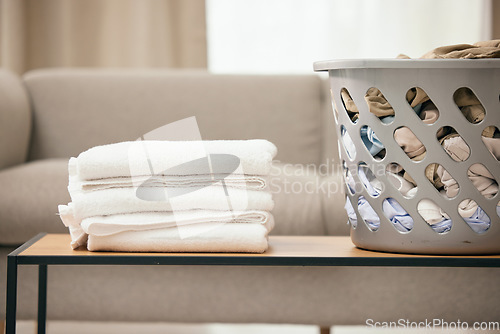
<point x="15" y="120"/>
<point x="75" y="109"/>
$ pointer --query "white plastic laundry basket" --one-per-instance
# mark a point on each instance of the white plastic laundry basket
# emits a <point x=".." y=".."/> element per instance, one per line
<point x="440" y="79"/>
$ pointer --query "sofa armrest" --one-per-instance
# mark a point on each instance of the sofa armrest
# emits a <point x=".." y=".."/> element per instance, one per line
<point x="15" y="120"/>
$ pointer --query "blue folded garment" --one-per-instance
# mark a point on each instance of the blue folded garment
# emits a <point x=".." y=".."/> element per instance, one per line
<point x="371" y="141"/>
<point x="398" y="216"/>
<point x="368" y="214"/>
<point x="479" y="222"/>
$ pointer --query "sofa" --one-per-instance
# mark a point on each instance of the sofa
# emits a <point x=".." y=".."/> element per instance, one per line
<point x="50" y="115"/>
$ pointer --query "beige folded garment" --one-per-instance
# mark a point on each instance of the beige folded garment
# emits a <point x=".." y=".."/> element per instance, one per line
<point x="480" y="177"/>
<point x="214" y="238"/>
<point x="486" y="49"/>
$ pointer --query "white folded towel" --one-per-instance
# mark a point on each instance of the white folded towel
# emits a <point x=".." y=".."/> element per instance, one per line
<point x="108" y="225"/>
<point x="232" y="237"/>
<point x="250" y="182"/>
<point x="113" y="224"/>
<point x="78" y="235"/>
<point x="191" y="196"/>
<point x="124" y="200"/>
<point x="141" y="158"/>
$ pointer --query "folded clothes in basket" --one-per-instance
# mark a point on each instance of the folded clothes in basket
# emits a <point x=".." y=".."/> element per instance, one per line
<point x="479" y="50"/>
<point x="171" y="196"/>
<point x="396" y="214"/>
<point x="452" y="143"/>
<point x="438" y="220"/>
<point x="418" y="99"/>
<point x="480" y="177"/>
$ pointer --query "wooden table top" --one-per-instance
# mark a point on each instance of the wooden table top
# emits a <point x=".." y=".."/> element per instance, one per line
<point x="283" y="250"/>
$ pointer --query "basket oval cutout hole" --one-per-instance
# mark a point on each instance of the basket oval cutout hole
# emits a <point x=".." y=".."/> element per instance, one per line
<point x="482" y="179"/>
<point x="409" y="143"/>
<point x="372" y="142"/>
<point x="372" y="185"/>
<point x="434" y="216"/>
<point x="348" y="179"/>
<point x="334" y="107"/>
<point x="491" y="139"/>
<point x="351" y="214"/>
<point x="368" y="215"/>
<point x="453" y="144"/>
<point x="442" y="180"/>
<point x="422" y="105"/>
<point x="349" y="105"/>
<point x="397" y="215"/>
<point x="400" y="179"/>
<point x="347" y="143"/>
<point x="469" y="105"/>
<point x="379" y="106"/>
<point x="474" y="216"/>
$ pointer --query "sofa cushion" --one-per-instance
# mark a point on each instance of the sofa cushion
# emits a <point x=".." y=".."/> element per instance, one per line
<point x="15" y="120"/>
<point x="30" y="194"/>
<point x="75" y="109"/>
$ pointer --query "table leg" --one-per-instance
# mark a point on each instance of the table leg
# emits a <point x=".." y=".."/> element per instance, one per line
<point x="11" y="305"/>
<point x="42" y="298"/>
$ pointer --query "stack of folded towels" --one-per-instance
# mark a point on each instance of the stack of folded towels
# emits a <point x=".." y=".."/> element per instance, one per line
<point x="171" y="196"/>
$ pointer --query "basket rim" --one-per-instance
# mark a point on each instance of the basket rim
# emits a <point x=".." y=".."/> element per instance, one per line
<point x="339" y="64"/>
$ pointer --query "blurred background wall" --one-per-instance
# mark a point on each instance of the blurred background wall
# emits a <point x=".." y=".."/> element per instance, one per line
<point x="232" y="36"/>
<point x="102" y="33"/>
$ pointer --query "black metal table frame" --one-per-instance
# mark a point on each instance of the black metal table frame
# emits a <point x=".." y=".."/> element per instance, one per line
<point x="14" y="260"/>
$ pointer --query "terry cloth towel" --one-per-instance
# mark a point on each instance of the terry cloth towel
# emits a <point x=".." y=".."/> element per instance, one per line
<point x="172" y="158"/>
<point x="108" y="225"/>
<point x="125" y="200"/>
<point x="206" y="237"/>
<point x="113" y="224"/>
<point x="251" y="182"/>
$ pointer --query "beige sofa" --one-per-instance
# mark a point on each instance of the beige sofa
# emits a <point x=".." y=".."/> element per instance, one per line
<point x="50" y="115"/>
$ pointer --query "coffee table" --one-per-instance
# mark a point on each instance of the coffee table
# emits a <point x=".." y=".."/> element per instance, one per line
<point x="53" y="249"/>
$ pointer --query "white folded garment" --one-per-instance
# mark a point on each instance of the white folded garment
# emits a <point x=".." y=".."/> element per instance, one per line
<point x="78" y="235"/>
<point x="106" y="225"/>
<point x="251" y="182"/>
<point x="405" y="187"/>
<point x="125" y="200"/>
<point x="109" y="225"/>
<point x="232" y="237"/>
<point x="431" y="212"/>
<point x="141" y="158"/>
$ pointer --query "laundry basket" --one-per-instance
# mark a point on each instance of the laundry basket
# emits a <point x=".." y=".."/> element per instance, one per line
<point x="443" y="81"/>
